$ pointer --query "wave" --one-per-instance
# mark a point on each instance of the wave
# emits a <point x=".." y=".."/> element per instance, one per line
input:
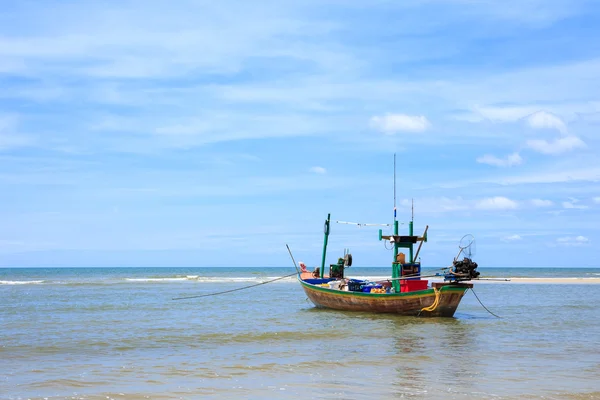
<point x="197" y="279"/>
<point x="147" y="280"/>
<point x="154" y="279"/>
<point x="21" y="282"/>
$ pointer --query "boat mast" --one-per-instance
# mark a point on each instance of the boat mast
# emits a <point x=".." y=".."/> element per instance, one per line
<point x="395" y="221"/>
<point x="326" y="229"/>
<point x="395" y="265"/>
<point x="410" y="230"/>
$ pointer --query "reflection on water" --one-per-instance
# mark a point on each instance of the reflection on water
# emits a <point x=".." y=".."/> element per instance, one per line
<point x="410" y="377"/>
<point x="431" y="352"/>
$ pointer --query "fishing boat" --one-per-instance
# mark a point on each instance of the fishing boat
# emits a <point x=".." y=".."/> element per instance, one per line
<point x="404" y="293"/>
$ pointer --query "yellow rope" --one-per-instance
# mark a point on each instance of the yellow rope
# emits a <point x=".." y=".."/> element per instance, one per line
<point x="436" y="302"/>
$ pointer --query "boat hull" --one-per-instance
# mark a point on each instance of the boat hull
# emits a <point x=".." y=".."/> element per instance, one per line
<point x="418" y="303"/>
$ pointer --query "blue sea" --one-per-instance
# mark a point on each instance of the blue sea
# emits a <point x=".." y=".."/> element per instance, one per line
<point x="117" y="333"/>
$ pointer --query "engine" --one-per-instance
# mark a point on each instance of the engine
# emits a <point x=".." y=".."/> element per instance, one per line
<point x="462" y="270"/>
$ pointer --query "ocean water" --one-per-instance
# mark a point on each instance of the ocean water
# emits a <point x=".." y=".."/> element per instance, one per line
<point x="102" y="333"/>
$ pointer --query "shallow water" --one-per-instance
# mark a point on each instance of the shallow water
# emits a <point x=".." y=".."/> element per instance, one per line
<point x="116" y="333"/>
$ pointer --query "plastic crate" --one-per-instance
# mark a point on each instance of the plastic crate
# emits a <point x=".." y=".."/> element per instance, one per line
<point x="355" y="285"/>
<point x="411" y="285"/>
<point x="367" y="288"/>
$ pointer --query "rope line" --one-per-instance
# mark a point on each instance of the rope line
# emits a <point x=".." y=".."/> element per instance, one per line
<point x="436" y="302"/>
<point x="406" y="277"/>
<point x="477" y="297"/>
<point x="234" y="290"/>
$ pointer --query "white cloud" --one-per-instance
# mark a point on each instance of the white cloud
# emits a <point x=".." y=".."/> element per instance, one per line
<point x="597" y="200"/>
<point x="571" y="175"/>
<point x="541" y="203"/>
<point x="392" y="123"/>
<point x="134" y="47"/>
<point x="532" y="115"/>
<point x="536" y="116"/>
<point x="496" y="203"/>
<point x="504" y="114"/>
<point x="512" y="238"/>
<point x="573" y="240"/>
<point x="572" y="204"/>
<point x="318" y="170"/>
<point x="509" y="161"/>
<point x="557" y="146"/>
<point x="545" y="120"/>
<point x="447" y="204"/>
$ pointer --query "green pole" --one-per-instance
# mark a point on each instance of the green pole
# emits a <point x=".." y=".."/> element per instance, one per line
<point x="395" y="267"/>
<point x="395" y="244"/>
<point x="410" y="233"/>
<point x="325" y="245"/>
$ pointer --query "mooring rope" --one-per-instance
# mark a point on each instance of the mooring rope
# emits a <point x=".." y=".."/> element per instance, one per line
<point x="436" y="302"/>
<point x="234" y="290"/>
<point x="477" y="297"/>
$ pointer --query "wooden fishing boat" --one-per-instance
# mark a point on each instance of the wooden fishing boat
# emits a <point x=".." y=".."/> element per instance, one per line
<point x="440" y="301"/>
<point x="404" y="293"/>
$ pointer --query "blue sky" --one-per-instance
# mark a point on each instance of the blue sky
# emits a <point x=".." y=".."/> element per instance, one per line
<point x="202" y="133"/>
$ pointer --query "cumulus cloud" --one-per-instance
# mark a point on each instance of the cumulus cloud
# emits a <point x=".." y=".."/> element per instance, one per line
<point x="545" y="120"/>
<point x="393" y="123"/>
<point x="541" y="203"/>
<point x="496" y="203"/>
<point x="318" y="170"/>
<point x="532" y="116"/>
<point x="509" y="161"/>
<point x="557" y="146"/>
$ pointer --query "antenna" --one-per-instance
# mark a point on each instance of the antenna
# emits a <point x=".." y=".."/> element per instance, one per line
<point x="412" y="210"/>
<point x="394" y="187"/>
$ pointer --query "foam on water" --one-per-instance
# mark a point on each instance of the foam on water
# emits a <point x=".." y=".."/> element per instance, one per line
<point x="236" y="277"/>
<point x="155" y="279"/>
<point x="21" y="282"/>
